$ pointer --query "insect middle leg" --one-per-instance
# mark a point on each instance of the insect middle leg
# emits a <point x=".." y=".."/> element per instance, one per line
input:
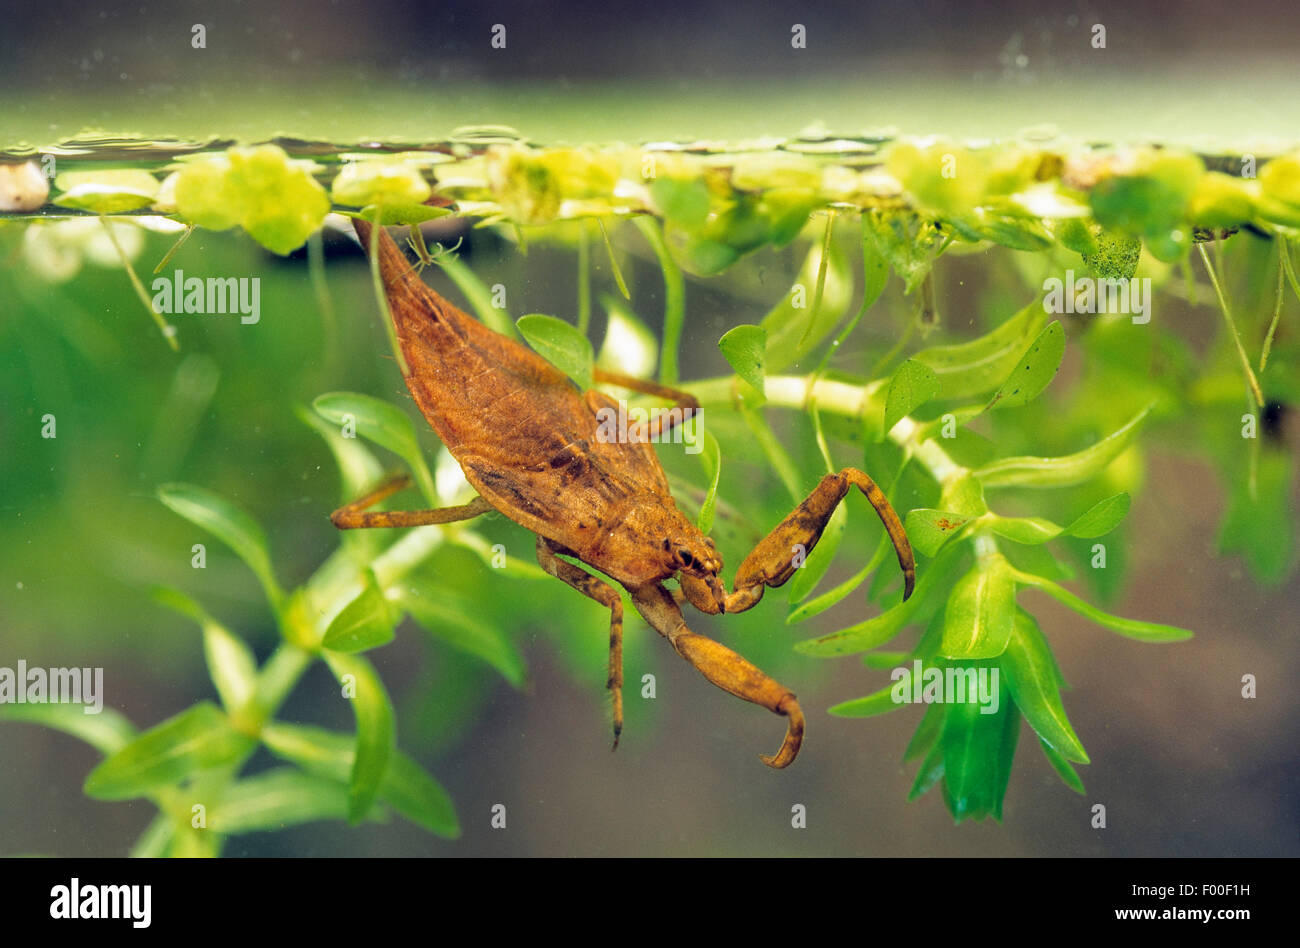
<point x="355" y="515"/>
<point x="663" y="422"/>
<point x="606" y="595"/>
<point x="724" y="668"/>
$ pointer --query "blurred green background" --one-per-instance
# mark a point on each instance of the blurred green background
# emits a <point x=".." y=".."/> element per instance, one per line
<point x="1183" y="764"/>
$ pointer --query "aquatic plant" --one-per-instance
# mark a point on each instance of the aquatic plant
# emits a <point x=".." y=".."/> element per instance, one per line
<point x="1005" y="494"/>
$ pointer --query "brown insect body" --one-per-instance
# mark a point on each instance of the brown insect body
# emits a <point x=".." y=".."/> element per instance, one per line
<point x="529" y="441"/>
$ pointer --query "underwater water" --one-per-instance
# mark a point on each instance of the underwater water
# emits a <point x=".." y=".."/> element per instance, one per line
<point x="173" y="449"/>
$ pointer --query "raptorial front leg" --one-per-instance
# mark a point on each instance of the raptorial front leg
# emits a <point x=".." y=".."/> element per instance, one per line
<point x="606" y="595"/>
<point x="356" y="515"/>
<point x="726" y="669"/>
<point x="772" y="562"/>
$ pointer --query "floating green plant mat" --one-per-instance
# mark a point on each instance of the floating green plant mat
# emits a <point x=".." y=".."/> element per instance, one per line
<point x="717" y="202"/>
<point x="1006" y="498"/>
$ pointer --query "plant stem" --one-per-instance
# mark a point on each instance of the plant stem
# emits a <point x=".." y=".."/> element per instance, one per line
<point x="381" y="297"/>
<point x="278" y="677"/>
<point x="320" y="289"/>
<point x="851" y="399"/>
<point x="584" y="278"/>
<point x="175" y="247"/>
<point x="613" y="261"/>
<point x="822" y="265"/>
<point x="168" y="331"/>
<point x="1232" y="327"/>
<point x="674" y="299"/>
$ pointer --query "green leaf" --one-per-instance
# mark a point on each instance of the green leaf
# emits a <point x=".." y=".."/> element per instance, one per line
<point x="206" y="196"/>
<point x="1037" y="559"/>
<point x="711" y="458"/>
<point x="1114" y="256"/>
<point x="884" y="661"/>
<point x="480" y="298"/>
<point x="280" y="203"/>
<point x="230" y="661"/>
<point x="418" y="797"/>
<point x="973" y="368"/>
<point x="275" y="198"/>
<point x="964" y="496"/>
<point x="456" y="622"/>
<point x="1075" y="234"/>
<point x="1029" y="530"/>
<point x="384" y="424"/>
<point x="381" y="181"/>
<point x="1036" y="368"/>
<point x="1260" y="523"/>
<point x="155" y="841"/>
<point x="978" y="750"/>
<point x="833" y="596"/>
<point x="406" y="787"/>
<point x="1102" y="517"/>
<point x="367" y="622"/>
<point x="744" y="349"/>
<point x="190" y="843"/>
<point x="107" y="732"/>
<point x="880" y="629"/>
<point x="876" y="703"/>
<point x="1098" y="520"/>
<point x="392" y="215"/>
<point x="1063" y="768"/>
<point x="359" y="469"/>
<point x="929" y="529"/>
<point x="1130" y="628"/>
<point x="1061" y="471"/>
<point x="1151" y="199"/>
<point x="171" y="598"/>
<point x="376" y="733"/>
<point x="277" y="799"/>
<point x="1015" y="232"/>
<point x="106" y="191"/>
<point x="798" y="324"/>
<point x="912" y="385"/>
<point x="926" y="734"/>
<point x="875" y="271"/>
<point x="230" y="524"/>
<point x="516" y="566"/>
<point x="981" y="611"/>
<point x="931" y="771"/>
<point x="684" y="202"/>
<point x="560" y="344"/>
<point x="198" y="738"/>
<point x="1033" y="678"/>
<point x="907" y="242"/>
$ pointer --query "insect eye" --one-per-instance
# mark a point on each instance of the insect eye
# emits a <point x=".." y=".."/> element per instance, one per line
<point x="684" y="555"/>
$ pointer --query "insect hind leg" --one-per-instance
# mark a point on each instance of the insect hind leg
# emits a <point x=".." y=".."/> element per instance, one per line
<point x="607" y="596"/>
